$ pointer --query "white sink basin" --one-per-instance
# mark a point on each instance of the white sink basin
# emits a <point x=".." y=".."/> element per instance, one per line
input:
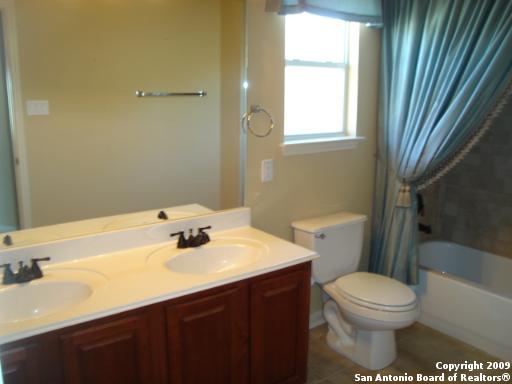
<point x="217" y="256"/>
<point x="57" y="291"/>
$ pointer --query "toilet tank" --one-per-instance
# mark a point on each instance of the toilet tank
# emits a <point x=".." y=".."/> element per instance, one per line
<point x="338" y="240"/>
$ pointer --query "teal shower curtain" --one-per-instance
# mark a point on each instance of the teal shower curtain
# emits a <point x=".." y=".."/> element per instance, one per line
<point x="445" y="64"/>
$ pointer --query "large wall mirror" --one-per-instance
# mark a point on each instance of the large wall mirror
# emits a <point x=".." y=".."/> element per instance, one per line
<point x="81" y="144"/>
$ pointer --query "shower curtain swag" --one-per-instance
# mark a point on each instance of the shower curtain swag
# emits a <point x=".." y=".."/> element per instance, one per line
<point x="446" y="73"/>
<point x="404" y="194"/>
<point x="443" y="169"/>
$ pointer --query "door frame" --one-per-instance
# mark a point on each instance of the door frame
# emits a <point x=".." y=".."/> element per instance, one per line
<point x="15" y="105"/>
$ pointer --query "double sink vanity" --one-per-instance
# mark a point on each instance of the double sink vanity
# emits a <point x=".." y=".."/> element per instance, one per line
<point x="129" y="306"/>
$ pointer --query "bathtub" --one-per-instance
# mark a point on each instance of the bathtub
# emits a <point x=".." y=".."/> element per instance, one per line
<point x="467" y="294"/>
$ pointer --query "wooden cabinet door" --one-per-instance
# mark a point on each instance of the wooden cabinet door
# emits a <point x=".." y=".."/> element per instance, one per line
<point x="21" y="364"/>
<point x="207" y="337"/>
<point x="279" y="328"/>
<point x="114" y="352"/>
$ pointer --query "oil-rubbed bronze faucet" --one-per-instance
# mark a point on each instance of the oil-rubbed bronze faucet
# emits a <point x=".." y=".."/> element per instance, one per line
<point x="25" y="273"/>
<point x="7" y="240"/>
<point x="192" y="241"/>
<point x="162" y="215"/>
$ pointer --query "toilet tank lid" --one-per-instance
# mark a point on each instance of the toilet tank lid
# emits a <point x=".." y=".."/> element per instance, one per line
<point x="318" y="224"/>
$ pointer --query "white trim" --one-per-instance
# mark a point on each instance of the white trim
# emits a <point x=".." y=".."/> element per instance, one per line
<point x="15" y="100"/>
<point x="316" y="64"/>
<point x="316" y="319"/>
<point x="302" y="147"/>
<point x="352" y="88"/>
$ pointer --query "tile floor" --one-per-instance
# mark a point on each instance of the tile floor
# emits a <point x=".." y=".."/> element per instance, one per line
<point x="419" y="348"/>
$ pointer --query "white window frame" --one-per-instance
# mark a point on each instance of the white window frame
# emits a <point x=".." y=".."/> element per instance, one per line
<point x="347" y="138"/>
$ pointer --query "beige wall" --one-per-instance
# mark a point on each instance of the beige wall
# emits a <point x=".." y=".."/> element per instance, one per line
<point x="306" y="185"/>
<point x="102" y="151"/>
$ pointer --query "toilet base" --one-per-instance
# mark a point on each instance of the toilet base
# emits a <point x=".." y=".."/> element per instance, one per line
<point x="371" y="349"/>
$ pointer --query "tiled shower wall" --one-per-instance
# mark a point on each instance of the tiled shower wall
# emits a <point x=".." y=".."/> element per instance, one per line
<point x="472" y="204"/>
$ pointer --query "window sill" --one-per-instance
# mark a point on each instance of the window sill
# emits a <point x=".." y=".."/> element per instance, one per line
<point x="303" y="147"/>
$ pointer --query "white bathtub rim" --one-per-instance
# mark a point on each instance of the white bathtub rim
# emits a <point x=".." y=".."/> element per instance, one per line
<point x="467" y="283"/>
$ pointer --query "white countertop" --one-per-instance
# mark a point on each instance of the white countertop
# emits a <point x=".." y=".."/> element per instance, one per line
<point x="127" y="281"/>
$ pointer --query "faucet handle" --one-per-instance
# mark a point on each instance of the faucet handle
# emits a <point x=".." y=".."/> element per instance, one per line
<point x="182" y="242"/>
<point x="205" y="238"/>
<point x="35" y="269"/>
<point x="9" y="277"/>
<point x="41" y="259"/>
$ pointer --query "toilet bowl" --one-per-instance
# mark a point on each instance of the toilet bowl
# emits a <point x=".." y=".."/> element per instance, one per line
<point x="363" y="309"/>
<point x="370" y="318"/>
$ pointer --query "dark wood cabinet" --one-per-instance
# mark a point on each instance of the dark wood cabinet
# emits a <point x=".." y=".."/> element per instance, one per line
<point x="279" y="329"/>
<point x="207" y="337"/>
<point x="116" y="352"/>
<point x="252" y="331"/>
<point x="21" y="364"/>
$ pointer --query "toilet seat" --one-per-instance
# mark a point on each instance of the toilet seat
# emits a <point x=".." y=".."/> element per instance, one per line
<point x="371" y="316"/>
<point x="376" y="292"/>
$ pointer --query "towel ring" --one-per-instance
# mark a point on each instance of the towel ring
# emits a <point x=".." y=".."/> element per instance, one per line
<point x="246" y="120"/>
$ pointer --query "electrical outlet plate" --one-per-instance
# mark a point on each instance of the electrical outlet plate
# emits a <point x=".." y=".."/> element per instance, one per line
<point x="267" y="170"/>
<point x="38" y="107"/>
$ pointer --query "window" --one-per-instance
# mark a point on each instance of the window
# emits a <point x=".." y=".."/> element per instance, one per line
<point x="319" y="79"/>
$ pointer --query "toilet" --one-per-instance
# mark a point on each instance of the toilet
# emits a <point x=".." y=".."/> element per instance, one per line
<point x="362" y="309"/>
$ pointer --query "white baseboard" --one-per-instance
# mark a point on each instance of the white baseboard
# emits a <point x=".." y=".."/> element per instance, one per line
<point x="316" y="319"/>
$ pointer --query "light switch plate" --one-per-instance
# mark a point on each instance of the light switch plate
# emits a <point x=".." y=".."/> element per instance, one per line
<point x="267" y="170"/>
<point x="38" y="107"/>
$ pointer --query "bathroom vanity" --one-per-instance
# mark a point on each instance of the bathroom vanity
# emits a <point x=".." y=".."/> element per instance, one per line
<point x="254" y="330"/>
<point x="160" y="315"/>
